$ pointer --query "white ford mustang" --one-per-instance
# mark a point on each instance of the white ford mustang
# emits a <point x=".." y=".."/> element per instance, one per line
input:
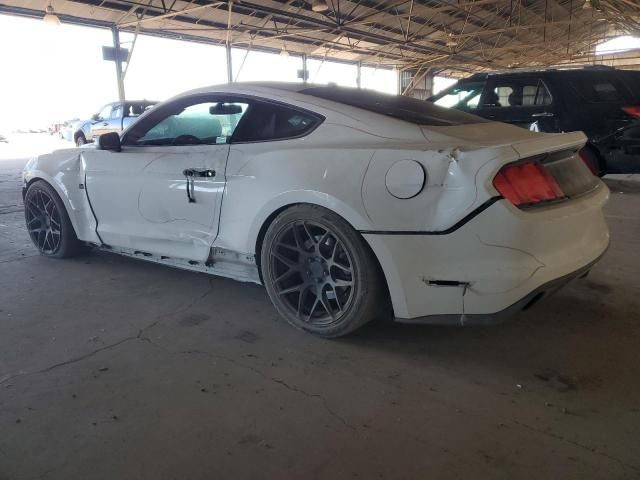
<point x="346" y="204"/>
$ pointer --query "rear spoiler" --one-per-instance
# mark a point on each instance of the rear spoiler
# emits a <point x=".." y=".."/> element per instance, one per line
<point x="550" y="142"/>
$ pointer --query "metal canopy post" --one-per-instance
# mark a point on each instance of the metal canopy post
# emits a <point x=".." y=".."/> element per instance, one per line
<point x="305" y="75"/>
<point x="228" y="44"/>
<point x="118" y="62"/>
<point x="229" y="66"/>
<point x="359" y="74"/>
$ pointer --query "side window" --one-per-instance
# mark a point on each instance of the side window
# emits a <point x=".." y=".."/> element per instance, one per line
<point x="105" y="113"/>
<point x="517" y="93"/>
<point x="505" y="95"/>
<point x="116" y="112"/>
<point x="543" y="96"/>
<point x="196" y="124"/>
<point x="266" y="121"/>
<point x="134" y="109"/>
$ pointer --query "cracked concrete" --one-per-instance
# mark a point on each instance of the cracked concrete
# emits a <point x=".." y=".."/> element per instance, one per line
<point x="115" y="368"/>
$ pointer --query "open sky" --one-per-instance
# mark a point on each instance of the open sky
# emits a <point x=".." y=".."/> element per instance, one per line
<point x="56" y="73"/>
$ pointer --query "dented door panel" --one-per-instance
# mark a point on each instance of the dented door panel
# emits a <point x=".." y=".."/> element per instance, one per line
<point x="140" y="198"/>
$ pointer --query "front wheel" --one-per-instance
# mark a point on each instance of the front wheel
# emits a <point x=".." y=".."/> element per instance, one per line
<point x="319" y="273"/>
<point x="47" y="221"/>
<point x="80" y="140"/>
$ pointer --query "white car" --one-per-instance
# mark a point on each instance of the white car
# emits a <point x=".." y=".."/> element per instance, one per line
<point x="345" y="204"/>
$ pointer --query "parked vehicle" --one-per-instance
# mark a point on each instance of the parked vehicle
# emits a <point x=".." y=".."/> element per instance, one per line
<point x="602" y="102"/>
<point x="113" y="117"/>
<point x="338" y="200"/>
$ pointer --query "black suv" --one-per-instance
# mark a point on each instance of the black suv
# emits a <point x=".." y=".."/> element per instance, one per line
<point x="602" y="102"/>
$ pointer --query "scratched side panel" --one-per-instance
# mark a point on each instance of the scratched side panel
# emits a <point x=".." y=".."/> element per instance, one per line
<point x="64" y="171"/>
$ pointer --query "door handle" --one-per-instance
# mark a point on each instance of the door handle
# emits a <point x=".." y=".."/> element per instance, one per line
<point x="543" y="114"/>
<point x="191" y="194"/>
<point x="190" y="174"/>
<point x="105" y="124"/>
<point x="199" y="172"/>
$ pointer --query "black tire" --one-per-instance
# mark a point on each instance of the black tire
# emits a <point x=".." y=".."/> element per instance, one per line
<point x="48" y="223"/>
<point x="320" y="274"/>
<point x="80" y="140"/>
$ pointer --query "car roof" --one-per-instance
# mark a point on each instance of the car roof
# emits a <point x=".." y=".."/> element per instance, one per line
<point x="280" y="91"/>
<point x="589" y="69"/>
<point x="262" y="87"/>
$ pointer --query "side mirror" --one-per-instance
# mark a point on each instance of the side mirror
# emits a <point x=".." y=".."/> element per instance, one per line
<point x="109" y="141"/>
<point x="95" y="117"/>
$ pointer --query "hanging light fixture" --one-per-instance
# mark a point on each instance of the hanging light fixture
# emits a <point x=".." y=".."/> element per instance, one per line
<point x="284" y="52"/>
<point x="50" y="17"/>
<point x="319" y="6"/>
<point x="451" y="42"/>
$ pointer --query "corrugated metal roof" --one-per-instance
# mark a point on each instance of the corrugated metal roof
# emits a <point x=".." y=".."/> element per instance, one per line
<point x="455" y="36"/>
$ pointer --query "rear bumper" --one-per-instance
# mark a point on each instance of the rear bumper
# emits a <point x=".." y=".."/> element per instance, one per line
<point x="496" y="262"/>
<point x="525" y="303"/>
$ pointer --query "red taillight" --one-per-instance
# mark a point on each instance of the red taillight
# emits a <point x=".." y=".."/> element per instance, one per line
<point x="633" y="111"/>
<point x="527" y="183"/>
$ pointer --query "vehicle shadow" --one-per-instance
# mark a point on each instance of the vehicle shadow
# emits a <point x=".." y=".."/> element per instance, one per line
<point x="579" y="332"/>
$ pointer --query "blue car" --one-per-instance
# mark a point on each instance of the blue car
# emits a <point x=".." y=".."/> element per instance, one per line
<point x="113" y="117"/>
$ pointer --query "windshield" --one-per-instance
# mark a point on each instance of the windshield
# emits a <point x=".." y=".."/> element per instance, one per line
<point x="404" y="108"/>
<point x="462" y="96"/>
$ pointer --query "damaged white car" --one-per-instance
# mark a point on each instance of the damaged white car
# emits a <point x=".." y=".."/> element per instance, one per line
<point x="346" y="204"/>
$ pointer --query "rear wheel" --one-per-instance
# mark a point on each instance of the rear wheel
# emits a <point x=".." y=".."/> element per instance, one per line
<point x="47" y="221"/>
<point x="320" y="274"/>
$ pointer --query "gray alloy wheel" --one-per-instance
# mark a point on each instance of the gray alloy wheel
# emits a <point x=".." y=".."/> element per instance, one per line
<point x="80" y="140"/>
<point x="319" y="273"/>
<point x="47" y="221"/>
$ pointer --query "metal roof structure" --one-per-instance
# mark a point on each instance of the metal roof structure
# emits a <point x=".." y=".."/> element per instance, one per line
<point x="454" y="36"/>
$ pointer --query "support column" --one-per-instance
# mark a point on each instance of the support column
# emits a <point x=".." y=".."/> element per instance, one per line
<point x="229" y="65"/>
<point x="359" y="74"/>
<point x="118" y="62"/>
<point x="228" y="43"/>
<point x="305" y="72"/>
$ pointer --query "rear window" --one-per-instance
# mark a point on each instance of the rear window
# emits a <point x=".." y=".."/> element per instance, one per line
<point x="404" y="108"/>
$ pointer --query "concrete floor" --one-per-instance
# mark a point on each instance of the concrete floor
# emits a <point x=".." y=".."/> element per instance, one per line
<point x="112" y="368"/>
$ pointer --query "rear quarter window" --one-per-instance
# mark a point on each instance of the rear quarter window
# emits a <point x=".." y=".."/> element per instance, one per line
<point x="266" y="122"/>
<point x="599" y="88"/>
